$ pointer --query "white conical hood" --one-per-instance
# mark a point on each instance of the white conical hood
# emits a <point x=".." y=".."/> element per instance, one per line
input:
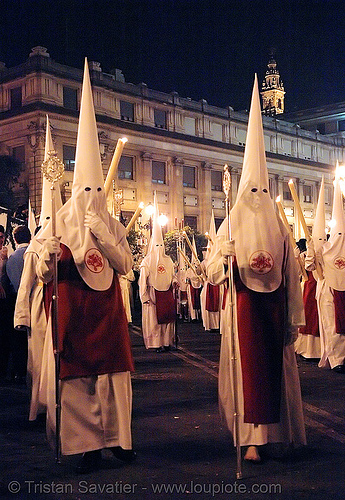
<point x="31" y="221"/>
<point x="88" y="165"/>
<point x="255" y="227"/>
<point x="334" y="249"/>
<point x="161" y="267"/>
<point x="193" y="259"/>
<point x="87" y="195"/>
<point x="181" y="274"/>
<point x="254" y="170"/>
<point x="194" y="279"/>
<point x="46" y="207"/>
<point x="212" y="233"/>
<point x="319" y="227"/>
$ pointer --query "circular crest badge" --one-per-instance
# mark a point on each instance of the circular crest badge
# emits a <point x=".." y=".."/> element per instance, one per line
<point x="261" y="262"/>
<point x="339" y="262"/>
<point x="94" y="260"/>
<point x="161" y="269"/>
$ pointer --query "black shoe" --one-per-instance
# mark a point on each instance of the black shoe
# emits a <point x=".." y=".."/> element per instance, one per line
<point x="167" y="348"/>
<point x="127" y="456"/>
<point x="339" y="369"/>
<point x="89" y="462"/>
<point x="160" y="349"/>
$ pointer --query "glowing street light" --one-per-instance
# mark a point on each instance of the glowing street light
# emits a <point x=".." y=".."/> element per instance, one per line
<point x="162" y="220"/>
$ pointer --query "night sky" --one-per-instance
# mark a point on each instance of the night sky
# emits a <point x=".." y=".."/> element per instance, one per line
<point x="203" y="49"/>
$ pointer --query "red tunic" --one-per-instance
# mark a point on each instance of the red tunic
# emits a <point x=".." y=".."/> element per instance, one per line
<point x="165" y="306"/>
<point x="93" y="328"/>
<point x="261" y="325"/>
<point x="195" y="297"/>
<point x="212" y="298"/>
<point x="310" y="308"/>
<point x="339" y="310"/>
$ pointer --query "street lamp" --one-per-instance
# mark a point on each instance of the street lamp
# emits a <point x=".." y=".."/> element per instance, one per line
<point x="162" y="220"/>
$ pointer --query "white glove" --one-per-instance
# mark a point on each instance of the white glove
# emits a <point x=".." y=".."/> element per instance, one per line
<point x="228" y="250"/>
<point x="95" y="224"/>
<point x="296" y="252"/>
<point x="310" y="249"/>
<point x="52" y="245"/>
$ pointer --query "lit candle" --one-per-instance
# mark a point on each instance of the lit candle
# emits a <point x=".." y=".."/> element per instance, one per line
<point x="209" y="237"/>
<point x="282" y="212"/>
<point x="303" y="222"/>
<point x="187" y="261"/>
<point x="135" y="216"/>
<point x="112" y="172"/>
<point x="292" y="240"/>
<point x="299" y="209"/>
<point x="190" y="245"/>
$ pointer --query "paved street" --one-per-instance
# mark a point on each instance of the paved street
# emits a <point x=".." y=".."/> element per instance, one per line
<point x="184" y="451"/>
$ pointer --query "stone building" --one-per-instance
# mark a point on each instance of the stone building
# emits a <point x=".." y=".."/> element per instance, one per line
<point x="176" y="146"/>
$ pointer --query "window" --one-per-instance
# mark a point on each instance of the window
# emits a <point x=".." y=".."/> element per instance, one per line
<point x="158" y="172"/>
<point x="126" y="216"/>
<point x="69" y="157"/>
<point x="341" y="125"/>
<point x="19" y="154"/>
<point x="70" y="98"/>
<point x="307" y="193"/>
<point x="218" y="222"/>
<point x="286" y="191"/>
<point x="16" y="97"/>
<point x="216" y="180"/>
<point x="191" y="221"/>
<point x="160" y="118"/>
<point x="189" y="177"/>
<point x="127" y="111"/>
<point x="321" y="127"/>
<point x="125" y="169"/>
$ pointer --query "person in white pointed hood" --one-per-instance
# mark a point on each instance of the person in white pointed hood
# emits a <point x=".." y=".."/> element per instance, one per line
<point x="156" y="292"/>
<point x="29" y="312"/>
<point x="95" y="351"/>
<point x="308" y="341"/>
<point x="331" y="289"/>
<point x="268" y="309"/>
<point x="194" y="284"/>
<point x="210" y="295"/>
<point x="181" y="282"/>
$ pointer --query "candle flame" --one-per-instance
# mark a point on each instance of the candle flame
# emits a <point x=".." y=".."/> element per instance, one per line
<point x="278" y="199"/>
<point x="124" y="140"/>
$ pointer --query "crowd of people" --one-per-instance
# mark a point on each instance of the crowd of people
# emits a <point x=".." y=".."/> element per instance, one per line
<point x="247" y="286"/>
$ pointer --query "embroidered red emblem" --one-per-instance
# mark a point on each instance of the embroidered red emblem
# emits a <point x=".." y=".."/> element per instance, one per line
<point x="339" y="262"/>
<point x="261" y="262"/>
<point x="161" y="269"/>
<point x="94" y="260"/>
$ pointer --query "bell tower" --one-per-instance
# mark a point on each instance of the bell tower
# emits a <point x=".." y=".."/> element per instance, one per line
<point x="272" y="91"/>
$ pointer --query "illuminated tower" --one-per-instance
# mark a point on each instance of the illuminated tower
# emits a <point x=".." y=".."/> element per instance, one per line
<point x="272" y="90"/>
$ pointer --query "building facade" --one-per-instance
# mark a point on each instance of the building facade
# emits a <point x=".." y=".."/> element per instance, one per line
<point x="176" y="146"/>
